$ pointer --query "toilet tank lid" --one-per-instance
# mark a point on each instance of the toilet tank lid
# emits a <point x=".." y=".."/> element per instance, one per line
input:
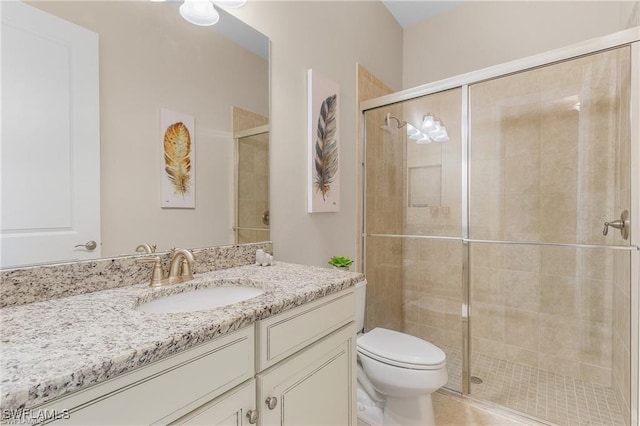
<point x="400" y="347"/>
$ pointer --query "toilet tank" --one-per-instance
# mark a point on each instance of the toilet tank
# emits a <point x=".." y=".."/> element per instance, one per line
<point x="361" y="297"/>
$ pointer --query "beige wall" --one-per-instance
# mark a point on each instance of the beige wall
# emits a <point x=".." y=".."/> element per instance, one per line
<point x="330" y="38"/>
<point x="151" y="58"/>
<point x="479" y="34"/>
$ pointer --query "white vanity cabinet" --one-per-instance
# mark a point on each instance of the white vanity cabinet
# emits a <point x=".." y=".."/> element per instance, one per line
<point x="314" y="387"/>
<point x="306" y="364"/>
<point x="294" y="368"/>
<point x="163" y="391"/>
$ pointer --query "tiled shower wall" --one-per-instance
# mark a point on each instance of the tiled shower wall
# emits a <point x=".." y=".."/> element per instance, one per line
<point x="432" y="291"/>
<point x="545" y="307"/>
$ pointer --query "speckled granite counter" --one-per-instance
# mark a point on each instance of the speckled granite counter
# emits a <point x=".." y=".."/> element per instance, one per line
<point x="59" y="346"/>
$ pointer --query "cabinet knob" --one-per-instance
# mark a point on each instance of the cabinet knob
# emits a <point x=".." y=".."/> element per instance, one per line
<point x="252" y="415"/>
<point x="271" y="402"/>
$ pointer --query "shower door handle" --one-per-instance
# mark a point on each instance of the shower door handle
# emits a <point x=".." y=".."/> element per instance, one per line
<point x="622" y="224"/>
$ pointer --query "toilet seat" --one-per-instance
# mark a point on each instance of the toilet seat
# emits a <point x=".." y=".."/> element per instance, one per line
<point x="401" y="350"/>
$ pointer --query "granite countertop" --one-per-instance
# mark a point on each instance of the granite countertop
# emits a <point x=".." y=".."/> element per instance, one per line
<point x="54" y="347"/>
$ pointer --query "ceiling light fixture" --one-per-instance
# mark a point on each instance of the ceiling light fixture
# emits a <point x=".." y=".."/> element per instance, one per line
<point x="199" y="12"/>
<point x="230" y="4"/>
<point x="203" y="13"/>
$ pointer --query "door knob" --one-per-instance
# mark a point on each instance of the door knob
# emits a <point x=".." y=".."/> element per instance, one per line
<point x="265" y="217"/>
<point x="622" y="224"/>
<point x="89" y="245"/>
<point x="271" y="402"/>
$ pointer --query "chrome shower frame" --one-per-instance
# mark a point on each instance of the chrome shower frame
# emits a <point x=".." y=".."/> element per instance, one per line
<point x="629" y="37"/>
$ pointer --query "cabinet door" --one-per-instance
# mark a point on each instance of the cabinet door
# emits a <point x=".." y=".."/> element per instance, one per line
<point x="228" y="410"/>
<point x="314" y="387"/>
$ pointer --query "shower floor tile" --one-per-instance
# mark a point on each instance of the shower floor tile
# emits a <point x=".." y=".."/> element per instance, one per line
<point x="563" y="400"/>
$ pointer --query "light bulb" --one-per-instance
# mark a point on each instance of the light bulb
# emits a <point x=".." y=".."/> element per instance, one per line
<point x="412" y="131"/>
<point x="230" y="4"/>
<point x="199" y="12"/>
<point x="441" y="136"/>
<point x="435" y="128"/>
<point x="423" y="140"/>
<point x="428" y="122"/>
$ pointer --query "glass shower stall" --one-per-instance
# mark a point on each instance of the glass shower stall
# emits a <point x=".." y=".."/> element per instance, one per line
<point x="506" y="241"/>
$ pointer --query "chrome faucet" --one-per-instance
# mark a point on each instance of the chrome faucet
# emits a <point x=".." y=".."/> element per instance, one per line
<point x="181" y="266"/>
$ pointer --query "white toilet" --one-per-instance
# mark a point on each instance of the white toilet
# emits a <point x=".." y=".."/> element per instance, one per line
<point x="396" y="374"/>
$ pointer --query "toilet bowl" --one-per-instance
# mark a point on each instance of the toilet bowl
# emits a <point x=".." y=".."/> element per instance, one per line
<point x="397" y="373"/>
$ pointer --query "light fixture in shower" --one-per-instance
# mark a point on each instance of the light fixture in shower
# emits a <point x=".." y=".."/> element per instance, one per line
<point x="432" y="129"/>
<point x="202" y="12"/>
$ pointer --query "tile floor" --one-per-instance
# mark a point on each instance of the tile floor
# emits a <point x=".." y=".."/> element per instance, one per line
<point x="559" y="399"/>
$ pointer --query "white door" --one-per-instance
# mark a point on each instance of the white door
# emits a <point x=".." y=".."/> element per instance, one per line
<point x="50" y="139"/>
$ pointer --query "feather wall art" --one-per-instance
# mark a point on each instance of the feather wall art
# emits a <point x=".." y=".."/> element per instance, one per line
<point x="178" y="159"/>
<point x="324" y="152"/>
<point x="326" y="148"/>
<point x="177" y="156"/>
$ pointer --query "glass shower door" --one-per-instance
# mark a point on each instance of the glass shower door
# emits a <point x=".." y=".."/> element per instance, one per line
<point x="550" y="294"/>
<point x="413" y="223"/>
<point x="252" y="186"/>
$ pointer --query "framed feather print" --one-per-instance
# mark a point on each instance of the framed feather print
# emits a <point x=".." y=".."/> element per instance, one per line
<point x="177" y="132"/>
<point x="324" y="144"/>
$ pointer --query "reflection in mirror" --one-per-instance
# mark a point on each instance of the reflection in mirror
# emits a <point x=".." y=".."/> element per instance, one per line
<point x="150" y="58"/>
<point x="252" y="185"/>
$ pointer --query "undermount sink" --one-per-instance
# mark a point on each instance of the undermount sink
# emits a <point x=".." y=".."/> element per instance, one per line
<point x="201" y="299"/>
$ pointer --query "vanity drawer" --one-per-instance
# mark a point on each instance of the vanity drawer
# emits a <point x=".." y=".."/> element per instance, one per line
<point x="286" y="333"/>
<point x="167" y="389"/>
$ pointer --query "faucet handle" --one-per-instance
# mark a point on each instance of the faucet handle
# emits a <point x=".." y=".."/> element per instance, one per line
<point x="187" y="273"/>
<point x="157" y="274"/>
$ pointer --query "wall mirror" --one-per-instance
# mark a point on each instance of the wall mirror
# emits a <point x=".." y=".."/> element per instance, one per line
<point x="149" y="59"/>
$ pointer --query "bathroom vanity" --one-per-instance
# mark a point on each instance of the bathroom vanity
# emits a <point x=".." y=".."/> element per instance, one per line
<point x="96" y="359"/>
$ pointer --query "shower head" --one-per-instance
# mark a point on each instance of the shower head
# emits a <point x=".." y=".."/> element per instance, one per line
<point x="388" y="126"/>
